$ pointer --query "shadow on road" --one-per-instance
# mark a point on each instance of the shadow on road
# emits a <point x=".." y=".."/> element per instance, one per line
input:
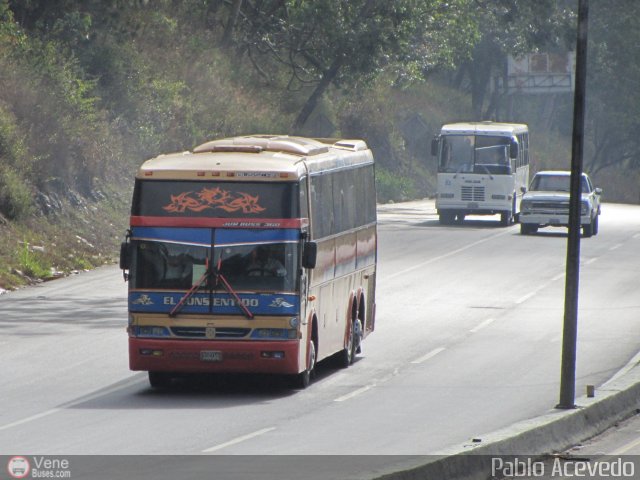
<point x="198" y="391"/>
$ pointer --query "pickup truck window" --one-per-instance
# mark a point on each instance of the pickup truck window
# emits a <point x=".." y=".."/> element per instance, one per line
<point x="556" y="183"/>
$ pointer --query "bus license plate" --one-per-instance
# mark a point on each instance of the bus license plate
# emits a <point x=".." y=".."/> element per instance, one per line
<point x="472" y="205"/>
<point x="210" y="356"/>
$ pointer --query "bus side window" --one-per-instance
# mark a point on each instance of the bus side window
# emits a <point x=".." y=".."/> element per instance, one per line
<point x="304" y="206"/>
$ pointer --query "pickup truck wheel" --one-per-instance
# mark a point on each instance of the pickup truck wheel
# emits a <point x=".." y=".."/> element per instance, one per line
<point x="587" y="230"/>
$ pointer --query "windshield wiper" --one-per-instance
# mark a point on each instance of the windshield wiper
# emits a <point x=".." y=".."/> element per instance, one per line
<point x="220" y="278"/>
<point x="194" y="288"/>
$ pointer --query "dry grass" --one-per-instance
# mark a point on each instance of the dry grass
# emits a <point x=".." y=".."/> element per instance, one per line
<point x="74" y="238"/>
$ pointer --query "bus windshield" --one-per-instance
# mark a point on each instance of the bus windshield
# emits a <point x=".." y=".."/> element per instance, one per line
<point x="474" y="154"/>
<point x="264" y="267"/>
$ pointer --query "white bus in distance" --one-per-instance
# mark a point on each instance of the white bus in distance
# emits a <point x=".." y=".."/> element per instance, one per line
<point x="483" y="169"/>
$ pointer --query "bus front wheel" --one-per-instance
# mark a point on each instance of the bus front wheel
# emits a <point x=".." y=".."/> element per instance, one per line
<point x="159" y="380"/>
<point x="303" y="380"/>
<point x="446" y="218"/>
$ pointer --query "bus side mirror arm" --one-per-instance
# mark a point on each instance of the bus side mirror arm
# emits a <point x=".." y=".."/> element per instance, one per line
<point x="309" y="254"/>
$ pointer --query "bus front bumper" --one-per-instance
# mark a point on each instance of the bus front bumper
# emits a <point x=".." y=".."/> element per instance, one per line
<point x="472" y="208"/>
<point x="194" y="356"/>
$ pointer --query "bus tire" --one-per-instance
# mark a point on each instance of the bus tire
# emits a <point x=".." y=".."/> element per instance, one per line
<point x="446" y="218"/>
<point x="506" y="218"/>
<point x="160" y="380"/>
<point x="303" y="380"/>
<point x="348" y="353"/>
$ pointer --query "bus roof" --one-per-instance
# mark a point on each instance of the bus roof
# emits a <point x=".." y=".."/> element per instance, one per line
<point x="258" y="158"/>
<point x="484" y="128"/>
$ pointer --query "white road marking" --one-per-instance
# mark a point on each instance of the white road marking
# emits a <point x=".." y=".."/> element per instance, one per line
<point x="135" y="379"/>
<point x="625" y="448"/>
<point x="479" y="327"/>
<point x="446" y="255"/>
<point x="539" y="289"/>
<point x="526" y="297"/>
<point x="241" y="439"/>
<point x="429" y="355"/>
<point x="354" y="393"/>
<point x="615" y="247"/>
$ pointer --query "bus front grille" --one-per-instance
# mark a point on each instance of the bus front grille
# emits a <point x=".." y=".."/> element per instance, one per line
<point x="472" y="194"/>
<point x="201" y="332"/>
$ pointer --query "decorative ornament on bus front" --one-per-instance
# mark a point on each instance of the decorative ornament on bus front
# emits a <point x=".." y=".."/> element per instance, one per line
<point x="213" y="198"/>
<point x="280" y="303"/>
<point x="143" y="299"/>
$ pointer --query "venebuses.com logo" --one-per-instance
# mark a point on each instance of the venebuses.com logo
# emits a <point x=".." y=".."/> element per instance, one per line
<point x="18" y="467"/>
<point x="38" y="467"/>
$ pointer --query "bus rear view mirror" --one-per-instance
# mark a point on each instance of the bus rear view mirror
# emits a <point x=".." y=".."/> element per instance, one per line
<point x="309" y="254"/>
<point x="514" y="148"/>
<point x="434" y="147"/>
<point x="125" y="255"/>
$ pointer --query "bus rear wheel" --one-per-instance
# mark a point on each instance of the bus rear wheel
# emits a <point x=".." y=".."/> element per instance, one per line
<point x="348" y="352"/>
<point x="506" y="218"/>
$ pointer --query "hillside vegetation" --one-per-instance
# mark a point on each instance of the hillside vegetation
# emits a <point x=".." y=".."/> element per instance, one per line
<point x="90" y="89"/>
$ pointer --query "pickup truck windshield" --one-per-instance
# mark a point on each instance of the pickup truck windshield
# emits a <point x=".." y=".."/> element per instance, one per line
<point x="556" y="183"/>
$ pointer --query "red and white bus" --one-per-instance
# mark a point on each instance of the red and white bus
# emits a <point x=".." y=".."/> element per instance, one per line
<point x="251" y="254"/>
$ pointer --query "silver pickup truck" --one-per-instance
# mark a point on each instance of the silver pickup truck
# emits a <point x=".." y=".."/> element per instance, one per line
<point x="547" y="203"/>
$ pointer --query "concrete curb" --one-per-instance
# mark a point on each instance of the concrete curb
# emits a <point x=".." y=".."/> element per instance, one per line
<point x="553" y="432"/>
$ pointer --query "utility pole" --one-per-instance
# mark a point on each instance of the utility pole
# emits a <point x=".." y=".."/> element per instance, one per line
<point x="570" y="330"/>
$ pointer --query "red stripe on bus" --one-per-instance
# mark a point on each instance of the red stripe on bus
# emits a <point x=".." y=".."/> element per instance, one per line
<point x="146" y="221"/>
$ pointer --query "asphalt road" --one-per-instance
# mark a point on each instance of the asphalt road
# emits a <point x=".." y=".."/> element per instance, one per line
<point x="467" y="341"/>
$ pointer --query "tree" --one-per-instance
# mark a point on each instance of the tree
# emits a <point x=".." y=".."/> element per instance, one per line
<point x="613" y="86"/>
<point x="511" y="27"/>
<point x="333" y="42"/>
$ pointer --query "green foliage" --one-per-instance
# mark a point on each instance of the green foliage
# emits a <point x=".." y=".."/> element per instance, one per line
<point x="90" y="89"/>
<point x="32" y="263"/>
<point x="393" y="187"/>
<point x="15" y="195"/>
<point x="613" y="87"/>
